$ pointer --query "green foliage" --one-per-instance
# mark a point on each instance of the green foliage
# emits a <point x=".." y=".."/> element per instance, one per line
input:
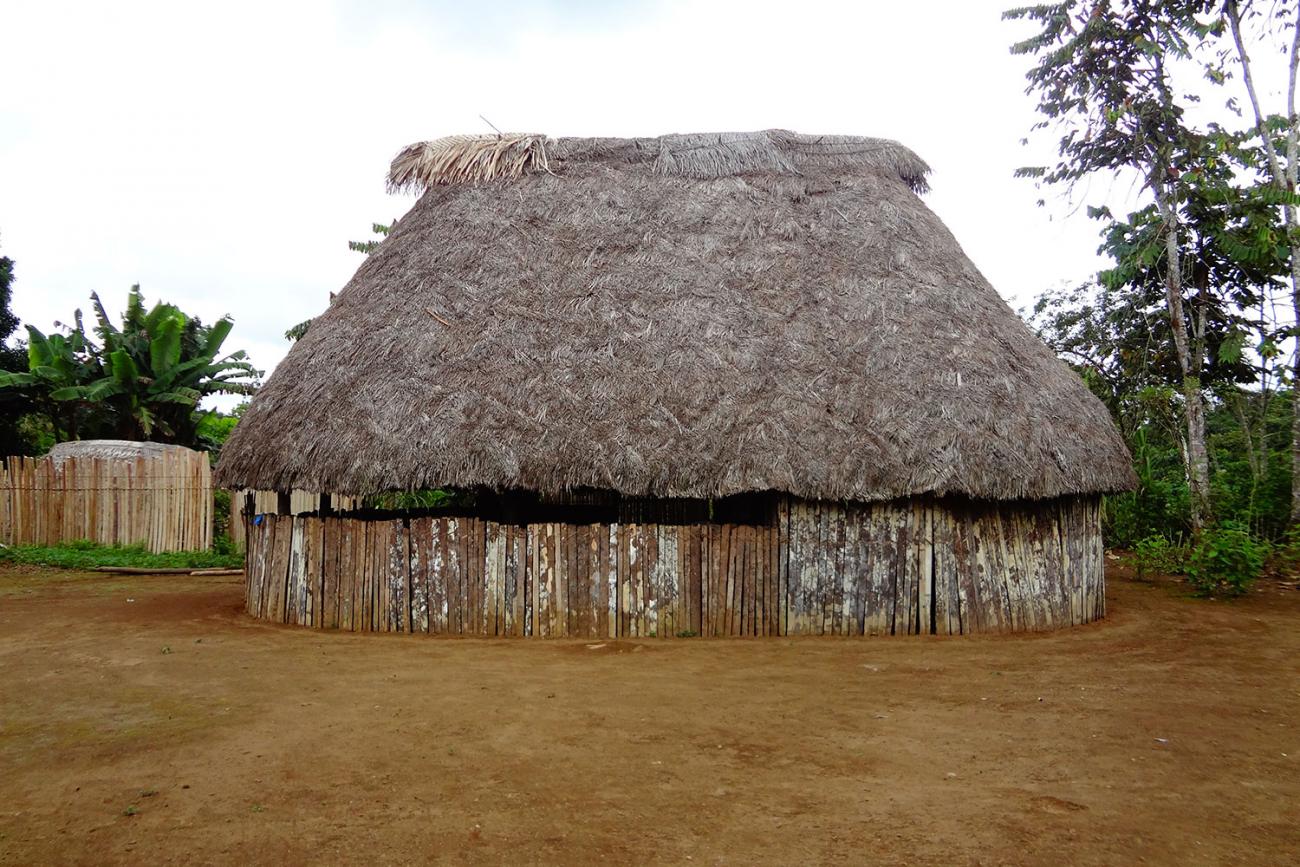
<point x="1157" y="554"/>
<point x="8" y="321"/>
<point x="88" y="555"/>
<point x="56" y="364"/>
<point x="221" y="517"/>
<point x="438" y="498"/>
<point x="1110" y="82"/>
<point x="215" y="427"/>
<point x="295" y="333"/>
<point x="1121" y="350"/>
<point x="160" y="364"/>
<point x="368" y="247"/>
<point x="143" y="380"/>
<point x="1225" y="560"/>
<point x="1159" y="506"/>
<point x="1101" y="79"/>
<point x="1284" y="561"/>
<point x="1250" y="473"/>
<point x="16" y="433"/>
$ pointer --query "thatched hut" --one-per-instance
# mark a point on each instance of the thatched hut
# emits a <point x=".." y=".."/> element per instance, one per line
<point x="741" y="383"/>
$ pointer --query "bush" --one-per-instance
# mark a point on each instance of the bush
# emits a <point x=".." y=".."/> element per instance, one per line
<point x="1155" y="553"/>
<point x="1225" y="561"/>
<point x="222" y="514"/>
<point x="1284" y="561"/>
<point x="82" y="554"/>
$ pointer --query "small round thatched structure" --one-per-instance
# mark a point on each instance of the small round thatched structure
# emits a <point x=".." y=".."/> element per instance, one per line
<point x="115" y="492"/>
<point x="764" y="334"/>
<point x="116" y="450"/>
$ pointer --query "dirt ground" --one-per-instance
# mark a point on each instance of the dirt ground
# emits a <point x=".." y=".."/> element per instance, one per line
<point x="147" y="720"/>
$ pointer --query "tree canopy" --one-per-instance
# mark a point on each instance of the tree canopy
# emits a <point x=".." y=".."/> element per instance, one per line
<point x="141" y="380"/>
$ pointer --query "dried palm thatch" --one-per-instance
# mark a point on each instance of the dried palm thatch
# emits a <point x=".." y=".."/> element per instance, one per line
<point x="111" y="449"/>
<point x="459" y="159"/>
<point x="689" y="315"/>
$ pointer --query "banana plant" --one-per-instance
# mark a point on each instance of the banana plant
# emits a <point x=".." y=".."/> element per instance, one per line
<point x="159" y="365"/>
<point x="143" y="381"/>
<point x="59" y="366"/>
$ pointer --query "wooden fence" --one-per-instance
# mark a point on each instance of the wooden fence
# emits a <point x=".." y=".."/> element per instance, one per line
<point x="163" y="502"/>
<point x="924" y="566"/>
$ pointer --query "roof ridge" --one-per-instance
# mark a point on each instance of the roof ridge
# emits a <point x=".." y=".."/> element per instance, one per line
<point x="474" y="159"/>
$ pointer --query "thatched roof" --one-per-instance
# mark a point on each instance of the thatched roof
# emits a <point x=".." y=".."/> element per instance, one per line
<point x="690" y="315"/>
<point x="113" y="449"/>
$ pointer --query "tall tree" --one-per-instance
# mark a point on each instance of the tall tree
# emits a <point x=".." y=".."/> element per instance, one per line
<point x="1102" y="77"/>
<point x="1282" y="166"/>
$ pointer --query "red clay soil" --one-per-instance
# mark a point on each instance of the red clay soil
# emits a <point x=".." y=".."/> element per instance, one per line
<point x="147" y="720"/>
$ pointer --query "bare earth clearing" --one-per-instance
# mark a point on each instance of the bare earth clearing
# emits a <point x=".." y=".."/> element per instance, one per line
<point x="173" y="729"/>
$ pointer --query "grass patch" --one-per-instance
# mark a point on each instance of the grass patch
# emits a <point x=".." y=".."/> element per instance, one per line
<point x="88" y="555"/>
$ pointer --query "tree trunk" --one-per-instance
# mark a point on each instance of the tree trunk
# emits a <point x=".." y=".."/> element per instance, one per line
<point x="1198" y="458"/>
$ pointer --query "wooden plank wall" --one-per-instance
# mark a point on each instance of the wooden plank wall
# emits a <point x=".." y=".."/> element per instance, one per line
<point x="942" y="567"/>
<point x="918" y="567"/>
<point x="163" y="502"/>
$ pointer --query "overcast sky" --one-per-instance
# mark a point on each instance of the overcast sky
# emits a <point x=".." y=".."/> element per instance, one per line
<point x="222" y="155"/>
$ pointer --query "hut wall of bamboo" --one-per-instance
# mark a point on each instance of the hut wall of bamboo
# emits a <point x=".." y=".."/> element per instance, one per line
<point x="919" y="566"/>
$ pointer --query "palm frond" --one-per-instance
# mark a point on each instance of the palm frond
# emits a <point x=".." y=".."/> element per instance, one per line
<point x="459" y="159"/>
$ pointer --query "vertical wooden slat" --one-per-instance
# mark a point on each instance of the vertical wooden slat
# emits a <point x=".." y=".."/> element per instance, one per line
<point x="564" y="567"/>
<point x="278" y="575"/>
<point x="419" y="542"/>
<point x="487" y="623"/>
<point x="595" y="585"/>
<point x="611" y="580"/>
<point x="944" y="603"/>
<point x="255" y="566"/>
<point x="924" y="547"/>
<point x="735" y="556"/>
<point x="604" y="623"/>
<point x="695" y="563"/>
<point x="581" y="591"/>
<point x="666" y="580"/>
<point x="536" y="546"/>
<point x="376" y="561"/>
<point x="330" y="563"/>
<point x="515" y="581"/>
<point x="382" y="588"/>
<point x="874" y="595"/>
<point x="624" y="580"/>
<point x="347" y="573"/>
<point x="745" y="581"/>
<point x="440" y="569"/>
<point x="545" y="581"/>
<point x="312" y="550"/>
<point x="640" y="609"/>
<point x="397" y="578"/>
<point x="361" y="606"/>
<point x="722" y="580"/>
<point x="776" y="595"/>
